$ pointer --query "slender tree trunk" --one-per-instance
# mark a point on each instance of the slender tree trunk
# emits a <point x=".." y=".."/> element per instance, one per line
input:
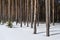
<point x="16" y="11"/>
<point x="8" y="9"/>
<point x="47" y="17"/>
<point x="21" y="12"/>
<point x="49" y="13"/>
<point x="38" y="12"/>
<point x="27" y="13"/>
<point x="53" y="10"/>
<point x="0" y="9"/>
<point x="3" y="10"/>
<point x="12" y="10"/>
<point x="31" y="13"/>
<point x="35" y="16"/>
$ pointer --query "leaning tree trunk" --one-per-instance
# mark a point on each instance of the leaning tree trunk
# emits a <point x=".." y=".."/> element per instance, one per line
<point x="53" y="10"/>
<point x="35" y="17"/>
<point x="47" y="17"/>
<point x="31" y="13"/>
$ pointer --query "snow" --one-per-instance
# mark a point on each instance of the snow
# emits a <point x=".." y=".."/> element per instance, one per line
<point x="26" y="33"/>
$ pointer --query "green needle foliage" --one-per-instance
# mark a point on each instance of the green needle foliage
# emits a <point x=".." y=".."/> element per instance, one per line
<point x="9" y="24"/>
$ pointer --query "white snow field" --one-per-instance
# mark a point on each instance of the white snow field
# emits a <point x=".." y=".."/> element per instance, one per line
<point x="26" y="33"/>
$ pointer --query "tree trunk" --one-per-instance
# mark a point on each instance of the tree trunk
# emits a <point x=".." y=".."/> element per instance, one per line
<point x="38" y="12"/>
<point x="21" y="12"/>
<point x="3" y="11"/>
<point x="31" y="13"/>
<point x="35" y="17"/>
<point x="16" y="11"/>
<point x="27" y="13"/>
<point x="8" y="9"/>
<point x="53" y="10"/>
<point x="0" y="9"/>
<point x="47" y="17"/>
<point x="49" y="13"/>
<point x="12" y="10"/>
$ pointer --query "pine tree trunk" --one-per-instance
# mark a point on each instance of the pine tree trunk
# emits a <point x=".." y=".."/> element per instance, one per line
<point x="12" y="10"/>
<point x="31" y="13"/>
<point x="0" y="9"/>
<point x="49" y="13"/>
<point x="47" y="17"/>
<point x="53" y="10"/>
<point x="38" y="12"/>
<point x="21" y="12"/>
<point x="8" y="9"/>
<point x="3" y="10"/>
<point x="27" y="13"/>
<point x="16" y="11"/>
<point x="35" y="16"/>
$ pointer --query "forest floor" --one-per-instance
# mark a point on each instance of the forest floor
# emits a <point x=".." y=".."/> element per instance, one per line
<point x="26" y="33"/>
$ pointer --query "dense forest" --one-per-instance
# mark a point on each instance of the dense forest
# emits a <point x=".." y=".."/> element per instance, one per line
<point x="30" y="11"/>
<point x="22" y="8"/>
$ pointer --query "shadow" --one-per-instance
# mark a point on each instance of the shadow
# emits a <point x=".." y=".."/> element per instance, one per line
<point x="40" y="32"/>
<point x="54" y="30"/>
<point x="55" y="34"/>
<point x="15" y="27"/>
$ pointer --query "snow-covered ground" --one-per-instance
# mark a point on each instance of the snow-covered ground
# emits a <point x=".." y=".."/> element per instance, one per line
<point x="26" y="33"/>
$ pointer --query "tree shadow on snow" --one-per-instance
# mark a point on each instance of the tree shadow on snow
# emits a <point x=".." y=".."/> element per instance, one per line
<point x="40" y="32"/>
<point x="57" y="32"/>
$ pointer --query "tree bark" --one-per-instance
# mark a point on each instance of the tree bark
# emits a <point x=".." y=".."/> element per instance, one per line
<point x="25" y="11"/>
<point x="21" y="12"/>
<point x="31" y="13"/>
<point x="0" y="9"/>
<point x="3" y="11"/>
<point x="27" y="14"/>
<point x="53" y="10"/>
<point x="8" y="9"/>
<point x="38" y="12"/>
<point x="35" y="16"/>
<point x="12" y="10"/>
<point x="16" y="11"/>
<point x="47" y="17"/>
